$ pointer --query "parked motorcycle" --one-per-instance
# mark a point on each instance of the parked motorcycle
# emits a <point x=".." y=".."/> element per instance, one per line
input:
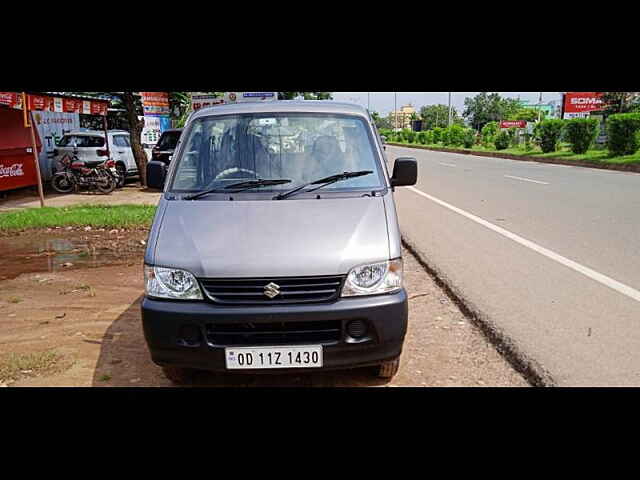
<point x="76" y="175"/>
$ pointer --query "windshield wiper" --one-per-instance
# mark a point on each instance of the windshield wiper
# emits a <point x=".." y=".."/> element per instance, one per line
<point x="323" y="182"/>
<point x="241" y="186"/>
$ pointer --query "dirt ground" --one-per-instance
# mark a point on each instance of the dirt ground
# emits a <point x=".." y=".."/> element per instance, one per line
<point x="70" y="316"/>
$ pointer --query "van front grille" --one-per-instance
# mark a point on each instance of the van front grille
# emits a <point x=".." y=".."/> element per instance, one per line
<point x="275" y="333"/>
<point x="261" y="291"/>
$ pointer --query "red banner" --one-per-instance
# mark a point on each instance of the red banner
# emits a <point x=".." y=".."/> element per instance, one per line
<point x="11" y="99"/>
<point x="513" y="123"/>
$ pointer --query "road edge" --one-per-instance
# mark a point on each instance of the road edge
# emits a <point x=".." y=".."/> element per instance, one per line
<point x="530" y="369"/>
<point x="632" y="168"/>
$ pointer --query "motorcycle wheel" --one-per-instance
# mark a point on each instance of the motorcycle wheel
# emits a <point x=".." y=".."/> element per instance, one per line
<point x="106" y="184"/>
<point x="62" y="183"/>
<point x="122" y="175"/>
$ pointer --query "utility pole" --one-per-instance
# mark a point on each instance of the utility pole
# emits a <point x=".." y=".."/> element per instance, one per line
<point x="395" y="109"/>
<point x="539" y="106"/>
<point x="449" y="108"/>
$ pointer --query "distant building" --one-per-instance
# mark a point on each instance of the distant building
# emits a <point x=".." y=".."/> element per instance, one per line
<point x="550" y="109"/>
<point x="402" y="118"/>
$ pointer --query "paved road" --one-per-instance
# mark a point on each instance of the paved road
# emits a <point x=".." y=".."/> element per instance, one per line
<point x="549" y="255"/>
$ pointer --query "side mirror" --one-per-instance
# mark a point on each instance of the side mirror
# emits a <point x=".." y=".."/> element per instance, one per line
<point x="405" y="172"/>
<point x="156" y="174"/>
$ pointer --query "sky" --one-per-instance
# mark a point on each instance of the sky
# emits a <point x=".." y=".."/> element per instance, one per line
<point x="383" y="102"/>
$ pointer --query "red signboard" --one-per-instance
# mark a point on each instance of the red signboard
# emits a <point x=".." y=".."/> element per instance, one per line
<point x="513" y="123"/>
<point x="54" y="104"/>
<point x="582" y="102"/>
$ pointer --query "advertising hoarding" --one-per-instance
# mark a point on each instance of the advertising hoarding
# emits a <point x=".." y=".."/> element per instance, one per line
<point x="581" y="104"/>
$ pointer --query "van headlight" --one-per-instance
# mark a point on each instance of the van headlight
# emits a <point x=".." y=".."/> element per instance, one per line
<point x="161" y="282"/>
<point x="374" y="278"/>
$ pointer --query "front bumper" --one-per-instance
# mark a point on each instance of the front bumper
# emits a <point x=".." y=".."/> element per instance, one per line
<point x="164" y="325"/>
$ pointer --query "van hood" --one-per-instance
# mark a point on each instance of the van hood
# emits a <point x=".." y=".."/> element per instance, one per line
<point x="303" y="237"/>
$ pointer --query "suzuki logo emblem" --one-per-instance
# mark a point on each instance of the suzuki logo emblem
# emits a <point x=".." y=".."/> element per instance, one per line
<point x="272" y="290"/>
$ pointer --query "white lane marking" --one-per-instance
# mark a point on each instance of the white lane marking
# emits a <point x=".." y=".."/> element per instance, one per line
<point x="527" y="180"/>
<point x="586" y="271"/>
<point x="447" y="164"/>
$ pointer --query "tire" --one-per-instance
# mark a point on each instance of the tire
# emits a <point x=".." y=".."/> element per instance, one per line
<point x="122" y="175"/>
<point x="179" y="375"/>
<point x="62" y="183"/>
<point x="108" y="186"/>
<point x="389" y="368"/>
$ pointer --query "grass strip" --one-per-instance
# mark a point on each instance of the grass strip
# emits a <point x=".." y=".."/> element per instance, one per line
<point x="104" y="216"/>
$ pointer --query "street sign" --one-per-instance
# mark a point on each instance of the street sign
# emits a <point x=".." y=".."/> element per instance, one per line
<point x="513" y="123"/>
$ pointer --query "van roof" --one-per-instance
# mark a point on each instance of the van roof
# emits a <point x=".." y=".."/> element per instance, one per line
<point x="304" y="106"/>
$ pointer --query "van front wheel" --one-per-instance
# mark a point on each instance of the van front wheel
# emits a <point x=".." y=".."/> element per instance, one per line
<point x="389" y="368"/>
<point x="179" y="376"/>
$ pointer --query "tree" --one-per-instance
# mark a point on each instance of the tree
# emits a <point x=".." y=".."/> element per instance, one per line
<point x="438" y="116"/>
<point x="485" y="108"/>
<point x="381" y="122"/>
<point x="528" y="114"/>
<point x="306" y="95"/>
<point x="621" y="102"/>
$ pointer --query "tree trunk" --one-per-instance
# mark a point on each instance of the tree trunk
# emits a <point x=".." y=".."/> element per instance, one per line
<point x="136" y="127"/>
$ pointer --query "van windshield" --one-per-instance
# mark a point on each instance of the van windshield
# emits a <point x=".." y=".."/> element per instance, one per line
<point x="221" y="150"/>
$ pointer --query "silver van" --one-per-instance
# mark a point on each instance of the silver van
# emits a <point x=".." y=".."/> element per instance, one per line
<point x="275" y="246"/>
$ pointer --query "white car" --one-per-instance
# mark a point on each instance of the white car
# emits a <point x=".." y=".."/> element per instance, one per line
<point x="89" y="146"/>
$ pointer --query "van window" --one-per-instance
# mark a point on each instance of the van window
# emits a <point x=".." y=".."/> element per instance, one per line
<point x="82" y="141"/>
<point x="300" y="147"/>
<point x="121" y="140"/>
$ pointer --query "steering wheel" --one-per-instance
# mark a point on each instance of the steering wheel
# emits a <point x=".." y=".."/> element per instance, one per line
<point x="229" y="171"/>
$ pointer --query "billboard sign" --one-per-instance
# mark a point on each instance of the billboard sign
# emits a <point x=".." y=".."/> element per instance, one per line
<point x="581" y="104"/>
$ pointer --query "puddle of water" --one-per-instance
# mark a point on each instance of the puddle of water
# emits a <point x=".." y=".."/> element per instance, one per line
<point x="53" y="252"/>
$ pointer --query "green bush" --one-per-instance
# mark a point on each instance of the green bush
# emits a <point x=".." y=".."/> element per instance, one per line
<point x="488" y="133"/>
<point x="411" y="136"/>
<point x="455" y="135"/>
<point x="502" y="140"/>
<point x="429" y="137"/>
<point x="422" y="138"/>
<point x="548" y="133"/>
<point x="437" y="134"/>
<point x="623" y="133"/>
<point x="469" y="137"/>
<point x="581" y="133"/>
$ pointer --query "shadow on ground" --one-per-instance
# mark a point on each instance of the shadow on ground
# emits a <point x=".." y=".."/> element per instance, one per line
<point x="124" y="361"/>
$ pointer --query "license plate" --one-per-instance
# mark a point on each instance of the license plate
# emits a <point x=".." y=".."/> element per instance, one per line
<point x="307" y="356"/>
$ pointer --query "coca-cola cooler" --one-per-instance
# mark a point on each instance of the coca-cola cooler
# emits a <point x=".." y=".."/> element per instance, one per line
<point x="17" y="167"/>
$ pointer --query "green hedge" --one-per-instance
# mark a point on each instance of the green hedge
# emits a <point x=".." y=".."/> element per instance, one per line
<point x="623" y="133"/>
<point x="548" y="133"/>
<point x="581" y="133"/>
<point x="502" y="140"/>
